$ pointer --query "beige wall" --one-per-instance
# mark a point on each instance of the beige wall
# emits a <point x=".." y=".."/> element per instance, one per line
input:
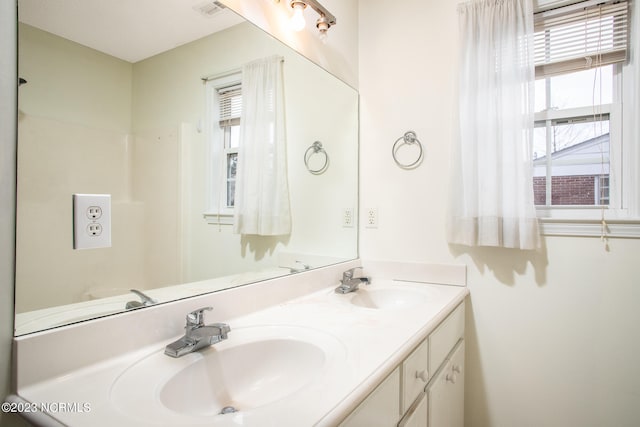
<point x="553" y="335"/>
<point x="315" y="105"/>
<point x="74" y="129"/>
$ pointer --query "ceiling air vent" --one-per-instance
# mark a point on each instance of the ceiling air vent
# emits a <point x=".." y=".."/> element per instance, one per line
<point x="209" y="8"/>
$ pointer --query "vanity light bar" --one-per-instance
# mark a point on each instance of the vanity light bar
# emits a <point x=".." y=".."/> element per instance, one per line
<point x="321" y="10"/>
<point x="324" y="22"/>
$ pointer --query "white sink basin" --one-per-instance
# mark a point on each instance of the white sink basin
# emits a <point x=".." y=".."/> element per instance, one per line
<point x="388" y="298"/>
<point x="391" y="296"/>
<point x="254" y="368"/>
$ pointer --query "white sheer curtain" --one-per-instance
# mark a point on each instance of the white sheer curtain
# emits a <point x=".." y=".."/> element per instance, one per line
<point x="492" y="192"/>
<point x="262" y="189"/>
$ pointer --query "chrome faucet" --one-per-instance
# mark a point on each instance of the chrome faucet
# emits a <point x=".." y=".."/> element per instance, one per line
<point x="145" y="301"/>
<point x="197" y="335"/>
<point x="350" y="283"/>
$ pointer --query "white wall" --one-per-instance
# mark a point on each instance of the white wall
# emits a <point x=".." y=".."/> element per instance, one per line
<point x="553" y="335"/>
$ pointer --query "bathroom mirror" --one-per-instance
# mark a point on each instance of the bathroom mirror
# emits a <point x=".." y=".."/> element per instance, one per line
<point x="113" y="102"/>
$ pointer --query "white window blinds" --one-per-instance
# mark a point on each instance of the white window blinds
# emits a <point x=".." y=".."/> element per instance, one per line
<point x="230" y="101"/>
<point x="580" y="36"/>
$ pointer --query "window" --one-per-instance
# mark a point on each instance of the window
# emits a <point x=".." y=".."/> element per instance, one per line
<point x="224" y="108"/>
<point x="230" y="107"/>
<point x="572" y="137"/>
<point x="579" y="166"/>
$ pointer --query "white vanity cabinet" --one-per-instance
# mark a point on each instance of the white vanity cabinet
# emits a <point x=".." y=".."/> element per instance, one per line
<point x="381" y="408"/>
<point x="426" y="389"/>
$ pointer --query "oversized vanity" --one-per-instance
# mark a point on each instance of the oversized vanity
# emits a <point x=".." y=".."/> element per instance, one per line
<point x="296" y="353"/>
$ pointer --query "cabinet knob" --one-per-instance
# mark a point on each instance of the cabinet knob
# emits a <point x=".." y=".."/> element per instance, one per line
<point x="423" y="375"/>
<point x="456" y="368"/>
<point x="451" y="378"/>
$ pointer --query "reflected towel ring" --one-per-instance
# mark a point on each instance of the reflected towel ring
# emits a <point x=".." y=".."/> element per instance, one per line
<point x="408" y="138"/>
<point x="315" y="148"/>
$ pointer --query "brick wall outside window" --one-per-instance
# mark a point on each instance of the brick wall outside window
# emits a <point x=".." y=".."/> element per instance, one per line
<point x="566" y="190"/>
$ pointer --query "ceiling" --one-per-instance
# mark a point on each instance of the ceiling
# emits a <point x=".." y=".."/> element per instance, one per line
<point x="131" y="30"/>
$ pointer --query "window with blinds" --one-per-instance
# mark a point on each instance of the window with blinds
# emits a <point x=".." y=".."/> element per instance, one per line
<point x="580" y="36"/>
<point x="230" y="110"/>
<point x="223" y="117"/>
<point x="577" y="52"/>
<point x="230" y="105"/>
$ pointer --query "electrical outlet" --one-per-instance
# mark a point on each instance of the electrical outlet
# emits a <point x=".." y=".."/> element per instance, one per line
<point x="91" y="221"/>
<point x="347" y="217"/>
<point x="94" y="212"/>
<point x="372" y="218"/>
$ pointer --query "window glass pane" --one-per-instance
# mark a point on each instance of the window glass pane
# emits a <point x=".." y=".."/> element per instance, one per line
<point x="603" y="190"/>
<point x="540" y="96"/>
<point x="582" y="89"/>
<point x="232" y="162"/>
<point x="581" y="159"/>
<point x="578" y="154"/>
<point x="234" y="137"/>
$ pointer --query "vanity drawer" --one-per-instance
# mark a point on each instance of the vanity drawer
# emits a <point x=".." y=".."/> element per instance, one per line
<point x="415" y="375"/>
<point x="445" y="337"/>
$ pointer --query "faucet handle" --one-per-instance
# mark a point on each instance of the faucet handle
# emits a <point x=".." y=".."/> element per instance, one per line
<point x="349" y="273"/>
<point x="196" y="317"/>
<point x="224" y="329"/>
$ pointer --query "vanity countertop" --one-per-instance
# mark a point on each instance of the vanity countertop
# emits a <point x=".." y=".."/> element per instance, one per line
<point x="367" y="345"/>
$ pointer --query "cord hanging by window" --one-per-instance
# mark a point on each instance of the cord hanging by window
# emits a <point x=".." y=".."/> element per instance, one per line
<point x="316" y="148"/>
<point x="409" y="138"/>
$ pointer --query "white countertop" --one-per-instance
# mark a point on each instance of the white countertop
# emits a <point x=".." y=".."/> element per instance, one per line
<point x="372" y="343"/>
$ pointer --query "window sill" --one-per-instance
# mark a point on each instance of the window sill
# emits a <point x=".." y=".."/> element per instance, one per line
<point x="216" y="218"/>
<point x="590" y="228"/>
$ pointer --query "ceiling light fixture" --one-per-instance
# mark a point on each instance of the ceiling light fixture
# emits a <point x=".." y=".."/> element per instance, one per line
<point x="324" y="22"/>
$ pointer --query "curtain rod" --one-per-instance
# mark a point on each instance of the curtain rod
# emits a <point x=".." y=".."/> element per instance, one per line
<point x="225" y="73"/>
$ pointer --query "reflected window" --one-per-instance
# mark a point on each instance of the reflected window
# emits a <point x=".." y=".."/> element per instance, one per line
<point x="224" y="110"/>
<point x="230" y="106"/>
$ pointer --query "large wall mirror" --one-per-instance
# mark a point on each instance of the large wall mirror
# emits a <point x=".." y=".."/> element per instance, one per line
<point x="113" y="100"/>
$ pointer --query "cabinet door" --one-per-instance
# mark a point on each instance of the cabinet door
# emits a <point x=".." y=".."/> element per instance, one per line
<point x="446" y="392"/>
<point x="414" y="375"/>
<point x="417" y="415"/>
<point x="381" y="408"/>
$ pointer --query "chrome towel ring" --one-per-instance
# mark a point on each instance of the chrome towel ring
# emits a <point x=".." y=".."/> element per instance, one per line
<point x="316" y="148"/>
<point x="409" y="138"/>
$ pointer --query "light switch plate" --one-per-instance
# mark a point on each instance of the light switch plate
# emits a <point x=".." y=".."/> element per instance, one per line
<point x="91" y="221"/>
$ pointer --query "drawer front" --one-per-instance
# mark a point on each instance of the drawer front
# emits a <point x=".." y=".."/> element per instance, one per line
<point x="415" y="375"/>
<point x="445" y="337"/>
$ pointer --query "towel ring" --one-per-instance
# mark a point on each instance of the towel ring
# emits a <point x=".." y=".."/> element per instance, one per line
<point x="408" y="138"/>
<point x="315" y="148"/>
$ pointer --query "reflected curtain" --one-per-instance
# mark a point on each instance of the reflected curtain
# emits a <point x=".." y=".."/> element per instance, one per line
<point x="492" y="192"/>
<point x="262" y="190"/>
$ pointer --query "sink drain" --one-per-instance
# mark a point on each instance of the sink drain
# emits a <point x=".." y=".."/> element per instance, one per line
<point x="228" y="410"/>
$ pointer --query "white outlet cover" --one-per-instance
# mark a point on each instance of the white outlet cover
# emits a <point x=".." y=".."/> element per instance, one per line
<point x="91" y="221"/>
<point x="372" y="218"/>
<point x="347" y="217"/>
